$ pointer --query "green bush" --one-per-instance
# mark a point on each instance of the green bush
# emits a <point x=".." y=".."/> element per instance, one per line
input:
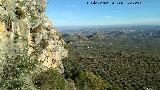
<point x="19" y="13"/>
<point x="89" y="81"/>
<point x="50" y="80"/>
<point x="16" y="73"/>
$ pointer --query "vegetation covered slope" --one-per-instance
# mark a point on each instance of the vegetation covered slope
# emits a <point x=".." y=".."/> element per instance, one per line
<point x="29" y="47"/>
<point x="125" y="61"/>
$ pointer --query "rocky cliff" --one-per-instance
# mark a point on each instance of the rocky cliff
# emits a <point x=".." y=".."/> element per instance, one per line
<point x="25" y="28"/>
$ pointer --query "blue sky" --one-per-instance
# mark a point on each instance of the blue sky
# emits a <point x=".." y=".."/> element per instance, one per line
<point x="79" y="13"/>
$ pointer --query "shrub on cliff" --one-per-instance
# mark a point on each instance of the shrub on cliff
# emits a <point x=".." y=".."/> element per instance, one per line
<point x="50" y="80"/>
<point x="16" y="72"/>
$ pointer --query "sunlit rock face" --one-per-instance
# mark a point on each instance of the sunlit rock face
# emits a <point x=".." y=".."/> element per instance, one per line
<point x="25" y="28"/>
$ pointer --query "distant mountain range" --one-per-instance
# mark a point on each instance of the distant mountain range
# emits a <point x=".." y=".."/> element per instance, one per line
<point x="108" y="34"/>
<point x="104" y="28"/>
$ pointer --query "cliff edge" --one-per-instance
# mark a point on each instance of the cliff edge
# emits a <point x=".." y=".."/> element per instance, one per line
<point x="25" y="28"/>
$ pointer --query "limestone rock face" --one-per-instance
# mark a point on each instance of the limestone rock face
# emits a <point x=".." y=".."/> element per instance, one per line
<point x="25" y="28"/>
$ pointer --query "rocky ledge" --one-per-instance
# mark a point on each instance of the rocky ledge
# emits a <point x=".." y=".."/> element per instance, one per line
<point x="25" y="28"/>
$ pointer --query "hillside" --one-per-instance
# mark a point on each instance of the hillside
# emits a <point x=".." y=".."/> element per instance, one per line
<point x="34" y="56"/>
<point x="124" y="60"/>
<point x="31" y="49"/>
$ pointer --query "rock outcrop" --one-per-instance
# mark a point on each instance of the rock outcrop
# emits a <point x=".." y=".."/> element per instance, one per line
<point x="25" y="28"/>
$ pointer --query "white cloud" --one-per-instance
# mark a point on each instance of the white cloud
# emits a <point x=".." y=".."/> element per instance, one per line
<point x="108" y="16"/>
